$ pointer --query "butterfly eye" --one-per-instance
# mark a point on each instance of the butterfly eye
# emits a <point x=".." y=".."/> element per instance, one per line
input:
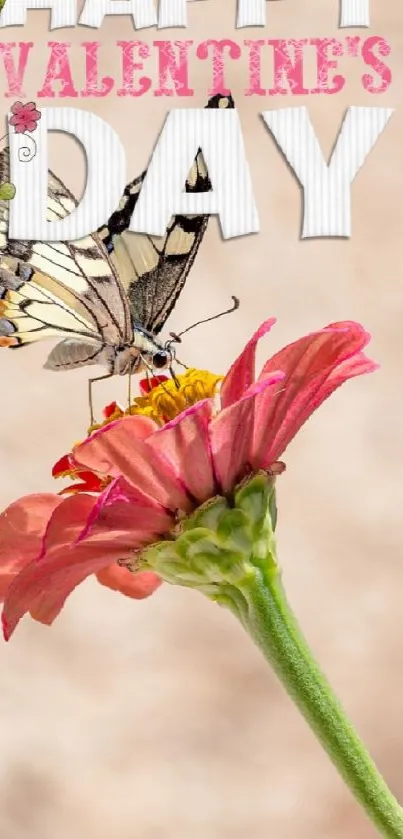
<point x="160" y="360"/>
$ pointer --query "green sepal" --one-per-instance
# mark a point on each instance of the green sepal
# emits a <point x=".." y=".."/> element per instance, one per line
<point x="223" y="543"/>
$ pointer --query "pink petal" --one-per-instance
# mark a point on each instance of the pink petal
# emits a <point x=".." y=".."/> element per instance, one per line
<point x="85" y="535"/>
<point x="348" y="369"/>
<point x="138" y="586"/>
<point x="314" y="367"/>
<point x="185" y="444"/>
<point x="30" y="106"/>
<point x="66" y="523"/>
<point x="16" y="107"/>
<point x="121" y="449"/>
<point x="127" y="513"/>
<point x="232" y="432"/>
<point x="22" y="528"/>
<point x="17" y="121"/>
<point x="34" y="589"/>
<point x="30" y="126"/>
<point x="242" y="373"/>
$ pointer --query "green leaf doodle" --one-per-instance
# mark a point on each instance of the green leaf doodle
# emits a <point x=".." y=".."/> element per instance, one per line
<point x="7" y="191"/>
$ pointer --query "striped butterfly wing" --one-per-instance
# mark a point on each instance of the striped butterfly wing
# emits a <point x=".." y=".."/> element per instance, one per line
<point x="94" y="291"/>
<point x="69" y="289"/>
<point x="157" y="269"/>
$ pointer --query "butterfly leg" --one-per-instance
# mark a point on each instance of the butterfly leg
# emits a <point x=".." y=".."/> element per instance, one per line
<point x="90" y="383"/>
<point x="174" y="378"/>
<point x="129" y="390"/>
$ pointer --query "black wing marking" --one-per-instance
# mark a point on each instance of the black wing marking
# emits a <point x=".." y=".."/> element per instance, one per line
<point x="78" y="276"/>
<point x="93" y="289"/>
<point x="158" y="267"/>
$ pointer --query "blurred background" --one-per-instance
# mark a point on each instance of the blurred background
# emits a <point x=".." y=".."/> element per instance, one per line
<point x="160" y="719"/>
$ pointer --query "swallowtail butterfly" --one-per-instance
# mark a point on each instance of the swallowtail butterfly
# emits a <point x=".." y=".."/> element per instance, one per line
<point x="108" y="304"/>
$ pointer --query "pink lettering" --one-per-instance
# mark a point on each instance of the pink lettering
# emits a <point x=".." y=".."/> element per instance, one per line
<point x="15" y="75"/>
<point x="372" y="60"/>
<point x="255" y="68"/>
<point x="218" y="50"/>
<point x="130" y="66"/>
<point x="288" y="68"/>
<point x="173" y="65"/>
<point x="93" y="85"/>
<point x="324" y="64"/>
<point x="58" y="70"/>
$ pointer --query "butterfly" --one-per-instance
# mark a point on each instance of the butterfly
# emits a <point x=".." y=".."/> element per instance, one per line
<point x="109" y="304"/>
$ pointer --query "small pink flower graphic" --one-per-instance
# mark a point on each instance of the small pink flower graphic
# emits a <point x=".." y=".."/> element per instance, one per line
<point x="25" y="117"/>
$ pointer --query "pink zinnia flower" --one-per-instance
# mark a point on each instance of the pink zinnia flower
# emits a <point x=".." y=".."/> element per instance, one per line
<point x="25" y="117"/>
<point x="158" y="473"/>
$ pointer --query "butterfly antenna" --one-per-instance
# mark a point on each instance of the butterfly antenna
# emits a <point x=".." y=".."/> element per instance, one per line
<point x="176" y="337"/>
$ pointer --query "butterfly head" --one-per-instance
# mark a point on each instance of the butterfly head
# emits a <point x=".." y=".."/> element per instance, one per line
<point x="146" y="353"/>
<point x="163" y="358"/>
<point x="156" y="356"/>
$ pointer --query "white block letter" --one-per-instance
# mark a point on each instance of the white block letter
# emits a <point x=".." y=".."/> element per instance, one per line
<point x="172" y="13"/>
<point x="218" y="133"/>
<point x="64" y="12"/>
<point x="29" y="174"/>
<point x="354" y="13"/>
<point x="251" y="13"/>
<point x="327" y="198"/>
<point x="142" y="11"/>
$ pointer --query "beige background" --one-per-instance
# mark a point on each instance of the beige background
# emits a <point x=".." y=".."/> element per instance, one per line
<point x="160" y="719"/>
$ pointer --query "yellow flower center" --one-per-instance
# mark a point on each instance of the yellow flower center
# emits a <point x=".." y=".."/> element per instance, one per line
<point x="168" y="399"/>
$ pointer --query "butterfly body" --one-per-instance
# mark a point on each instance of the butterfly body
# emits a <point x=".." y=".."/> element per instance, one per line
<point x="144" y="353"/>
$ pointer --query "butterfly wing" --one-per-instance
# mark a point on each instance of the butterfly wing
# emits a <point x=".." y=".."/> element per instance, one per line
<point x="156" y="271"/>
<point x="59" y="288"/>
<point x="94" y="291"/>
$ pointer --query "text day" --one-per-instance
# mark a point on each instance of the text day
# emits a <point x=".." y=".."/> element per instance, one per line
<point x="326" y="187"/>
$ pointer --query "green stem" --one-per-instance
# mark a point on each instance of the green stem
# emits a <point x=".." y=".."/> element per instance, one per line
<point x="227" y="550"/>
<point x="270" y="622"/>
